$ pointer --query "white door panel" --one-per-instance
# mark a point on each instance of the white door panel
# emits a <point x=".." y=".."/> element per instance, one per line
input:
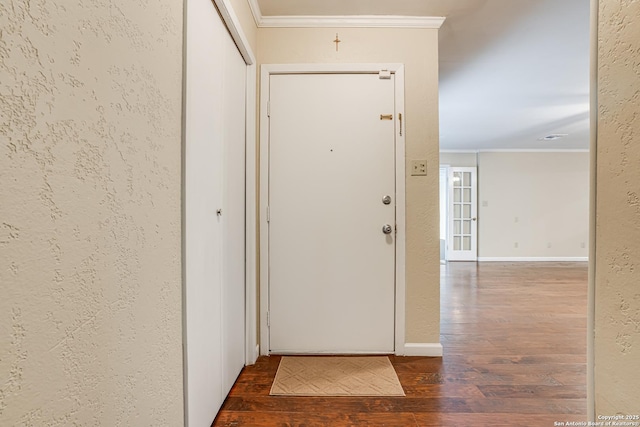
<point x="214" y="245"/>
<point x="331" y="163"/>
<point x="203" y="195"/>
<point x="233" y="216"/>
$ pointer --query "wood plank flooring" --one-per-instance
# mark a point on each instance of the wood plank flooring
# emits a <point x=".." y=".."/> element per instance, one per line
<point x="514" y="337"/>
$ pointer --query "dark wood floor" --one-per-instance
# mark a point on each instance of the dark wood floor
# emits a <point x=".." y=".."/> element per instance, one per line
<point x="514" y="338"/>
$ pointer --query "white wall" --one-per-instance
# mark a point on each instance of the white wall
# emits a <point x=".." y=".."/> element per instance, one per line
<point x="537" y="200"/>
<point x="90" y="271"/>
<point x="417" y="49"/>
<point x="461" y="160"/>
<point x="526" y="186"/>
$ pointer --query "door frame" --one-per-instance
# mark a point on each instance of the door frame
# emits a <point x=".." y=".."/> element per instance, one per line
<point x="444" y="211"/>
<point x="267" y="71"/>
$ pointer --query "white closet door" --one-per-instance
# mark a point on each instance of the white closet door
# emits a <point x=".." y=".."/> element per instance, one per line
<point x="214" y="212"/>
<point x="233" y="215"/>
<point x="203" y="196"/>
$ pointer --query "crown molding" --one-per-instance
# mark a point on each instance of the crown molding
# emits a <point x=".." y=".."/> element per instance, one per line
<point x="364" y="21"/>
<point x="343" y="21"/>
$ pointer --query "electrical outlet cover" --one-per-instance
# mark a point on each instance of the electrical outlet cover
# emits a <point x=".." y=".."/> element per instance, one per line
<point x="418" y="167"/>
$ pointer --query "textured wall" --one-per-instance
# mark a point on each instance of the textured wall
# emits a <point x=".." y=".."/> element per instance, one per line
<point x="90" y="131"/>
<point x="245" y="17"/>
<point x="617" y="318"/>
<point x="418" y="50"/>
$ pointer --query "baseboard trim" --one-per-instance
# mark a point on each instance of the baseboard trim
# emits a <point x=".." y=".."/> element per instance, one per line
<point x="533" y="259"/>
<point x="422" y="349"/>
<point x="254" y="357"/>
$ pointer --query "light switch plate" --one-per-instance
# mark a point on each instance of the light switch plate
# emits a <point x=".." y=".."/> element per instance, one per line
<point x="418" y="168"/>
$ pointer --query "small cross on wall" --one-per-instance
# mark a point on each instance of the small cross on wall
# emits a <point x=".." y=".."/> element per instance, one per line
<point x="336" y="41"/>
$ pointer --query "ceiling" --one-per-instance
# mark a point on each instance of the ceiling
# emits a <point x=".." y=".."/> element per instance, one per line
<point x="511" y="71"/>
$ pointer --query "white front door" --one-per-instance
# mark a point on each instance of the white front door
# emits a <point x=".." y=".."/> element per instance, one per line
<point x="331" y="164"/>
<point x="463" y="221"/>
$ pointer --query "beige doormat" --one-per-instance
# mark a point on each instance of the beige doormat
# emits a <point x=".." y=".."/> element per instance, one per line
<point x="336" y="376"/>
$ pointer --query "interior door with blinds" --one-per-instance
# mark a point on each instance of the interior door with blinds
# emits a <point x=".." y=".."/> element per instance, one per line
<point x="462" y="244"/>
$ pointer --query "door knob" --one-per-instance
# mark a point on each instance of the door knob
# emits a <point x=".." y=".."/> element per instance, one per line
<point x="387" y="229"/>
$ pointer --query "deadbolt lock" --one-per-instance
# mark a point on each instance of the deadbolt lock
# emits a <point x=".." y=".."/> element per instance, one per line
<point x="386" y="200"/>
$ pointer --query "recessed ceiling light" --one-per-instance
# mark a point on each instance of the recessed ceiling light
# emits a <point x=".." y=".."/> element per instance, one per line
<point x="553" y="137"/>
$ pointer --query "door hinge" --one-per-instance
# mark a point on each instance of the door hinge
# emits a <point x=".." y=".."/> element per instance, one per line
<point x="268" y="108"/>
<point x="268" y="214"/>
<point x="384" y="75"/>
<point x="268" y="319"/>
